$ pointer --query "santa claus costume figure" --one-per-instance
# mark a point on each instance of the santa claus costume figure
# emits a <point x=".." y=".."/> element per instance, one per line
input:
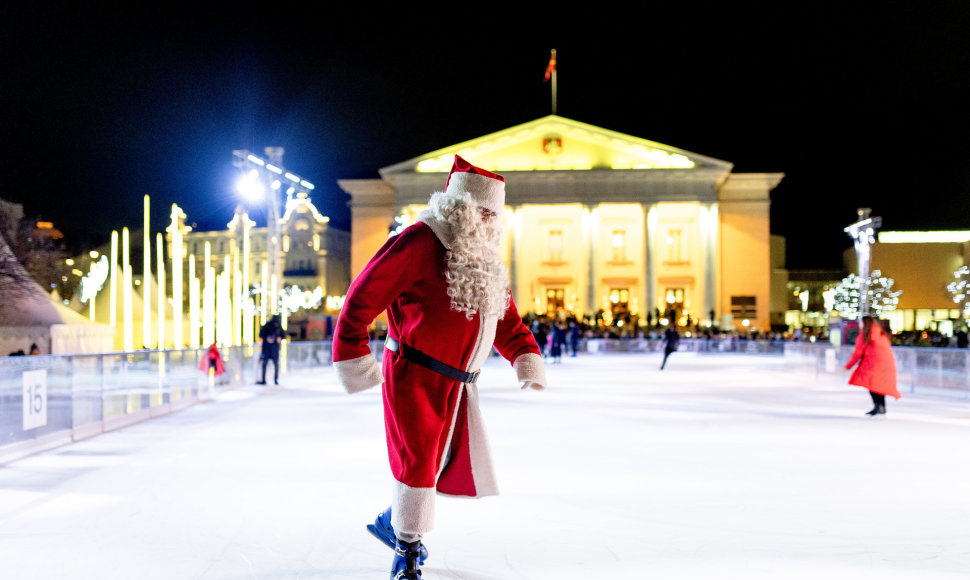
<point x="445" y="289"/>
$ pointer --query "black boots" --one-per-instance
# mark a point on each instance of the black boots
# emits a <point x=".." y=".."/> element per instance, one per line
<point x="877" y="410"/>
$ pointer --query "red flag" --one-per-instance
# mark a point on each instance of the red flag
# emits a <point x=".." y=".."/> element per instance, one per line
<point x="551" y="67"/>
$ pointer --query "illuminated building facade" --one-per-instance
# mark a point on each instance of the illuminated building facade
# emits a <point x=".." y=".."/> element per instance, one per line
<point x="922" y="264"/>
<point x="312" y="253"/>
<point x="601" y="223"/>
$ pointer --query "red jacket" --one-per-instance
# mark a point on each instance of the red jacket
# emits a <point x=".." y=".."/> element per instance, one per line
<point x="216" y="361"/>
<point x="877" y="371"/>
<point x="435" y="433"/>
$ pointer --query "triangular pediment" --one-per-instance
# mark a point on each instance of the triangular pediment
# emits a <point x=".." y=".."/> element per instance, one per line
<point x="555" y="143"/>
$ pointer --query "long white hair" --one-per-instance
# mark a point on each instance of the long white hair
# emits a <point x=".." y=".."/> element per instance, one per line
<point x="476" y="276"/>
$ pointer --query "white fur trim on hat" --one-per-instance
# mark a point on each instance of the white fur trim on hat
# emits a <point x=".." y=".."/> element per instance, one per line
<point x="487" y="192"/>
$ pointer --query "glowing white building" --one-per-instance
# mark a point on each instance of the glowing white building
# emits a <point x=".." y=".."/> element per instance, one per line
<point x="599" y="221"/>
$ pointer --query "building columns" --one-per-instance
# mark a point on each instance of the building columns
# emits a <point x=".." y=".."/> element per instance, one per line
<point x="515" y="234"/>
<point x="590" y="231"/>
<point x="649" y="257"/>
<point x="709" y="224"/>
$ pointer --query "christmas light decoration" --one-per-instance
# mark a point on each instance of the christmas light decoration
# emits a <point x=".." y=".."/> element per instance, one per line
<point x="880" y="295"/>
<point x="293" y="299"/>
<point x="959" y="289"/>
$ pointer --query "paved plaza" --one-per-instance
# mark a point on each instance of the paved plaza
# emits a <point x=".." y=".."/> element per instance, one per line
<point x="720" y="466"/>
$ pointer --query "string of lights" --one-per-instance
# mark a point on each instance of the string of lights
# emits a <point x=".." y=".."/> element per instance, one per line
<point x="880" y="295"/>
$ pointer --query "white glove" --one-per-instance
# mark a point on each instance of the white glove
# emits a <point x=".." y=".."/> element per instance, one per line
<point x="532" y="385"/>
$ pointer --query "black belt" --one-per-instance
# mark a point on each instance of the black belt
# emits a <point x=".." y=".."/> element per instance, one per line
<point x="416" y="356"/>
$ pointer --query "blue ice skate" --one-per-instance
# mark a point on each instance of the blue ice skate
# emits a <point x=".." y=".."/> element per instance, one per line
<point x="383" y="531"/>
<point x="406" y="564"/>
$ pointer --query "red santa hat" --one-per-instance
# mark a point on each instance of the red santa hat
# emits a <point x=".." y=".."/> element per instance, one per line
<point x="486" y="188"/>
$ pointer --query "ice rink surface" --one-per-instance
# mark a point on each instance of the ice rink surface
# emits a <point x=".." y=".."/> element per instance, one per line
<point x="720" y="466"/>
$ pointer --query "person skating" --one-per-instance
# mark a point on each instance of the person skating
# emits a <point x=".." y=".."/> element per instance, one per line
<point x="272" y="335"/>
<point x="877" y="364"/>
<point x="212" y="361"/>
<point x="671" y="339"/>
<point x="445" y="290"/>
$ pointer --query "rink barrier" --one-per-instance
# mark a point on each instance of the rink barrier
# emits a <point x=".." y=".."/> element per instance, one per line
<point x="925" y="369"/>
<point x="73" y="397"/>
<point x="84" y="395"/>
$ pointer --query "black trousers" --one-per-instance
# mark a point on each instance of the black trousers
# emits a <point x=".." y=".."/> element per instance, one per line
<point x="666" y="354"/>
<point x="878" y="399"/>
<point x="276" y="367"/>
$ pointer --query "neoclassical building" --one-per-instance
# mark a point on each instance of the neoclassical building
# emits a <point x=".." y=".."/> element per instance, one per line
<point x="597" y="220"/>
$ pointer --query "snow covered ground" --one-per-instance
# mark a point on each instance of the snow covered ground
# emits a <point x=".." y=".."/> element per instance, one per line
<point x="720" y="466"/>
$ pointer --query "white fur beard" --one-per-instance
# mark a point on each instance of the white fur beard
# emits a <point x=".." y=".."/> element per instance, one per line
<point x="476" y="276"/>
<point x="474" y="289"/>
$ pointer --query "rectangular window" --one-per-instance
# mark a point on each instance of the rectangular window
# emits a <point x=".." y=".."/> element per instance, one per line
<point x="675" y="250"/>
<point x="618" y="245"/>
<point x="744" y="307"/>
<point x="555" y="245"/>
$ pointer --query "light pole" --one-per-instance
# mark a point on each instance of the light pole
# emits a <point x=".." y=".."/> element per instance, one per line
<point x="863" y="234"/>
<point x="259" y="176"/>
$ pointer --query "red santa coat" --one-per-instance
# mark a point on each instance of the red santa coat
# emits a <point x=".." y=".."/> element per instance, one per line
<point x="877" y="371"/>
<point x="436" y="439"/>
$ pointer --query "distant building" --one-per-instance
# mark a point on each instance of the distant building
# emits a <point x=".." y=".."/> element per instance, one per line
<point x="601" y="224"/>
<point x="921" y="263"/>
<point x="313" y="253"/>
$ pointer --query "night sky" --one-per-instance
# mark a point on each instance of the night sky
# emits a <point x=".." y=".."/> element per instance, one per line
<point x="858" y="107"/>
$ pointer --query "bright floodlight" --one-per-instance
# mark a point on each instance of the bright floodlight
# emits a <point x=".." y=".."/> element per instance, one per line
<point x="250" y="187"/>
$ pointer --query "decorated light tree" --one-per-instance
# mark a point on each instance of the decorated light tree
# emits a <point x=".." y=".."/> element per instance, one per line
<point x="881" y="297"/>
<point x="959" y="290"/>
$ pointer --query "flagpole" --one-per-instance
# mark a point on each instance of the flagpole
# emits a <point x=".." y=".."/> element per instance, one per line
<point x="554" y="67"/>
<point x="554" y="89"/>
<point x="551" y="75"/>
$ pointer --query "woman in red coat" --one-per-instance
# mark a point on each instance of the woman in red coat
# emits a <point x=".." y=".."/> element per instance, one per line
<point x="212" y="360"/>
<point x="877" y="365"/>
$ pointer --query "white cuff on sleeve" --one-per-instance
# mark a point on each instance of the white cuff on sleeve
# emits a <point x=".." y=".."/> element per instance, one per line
<point x="529" y="367"/>
<point x="358" y="374"/>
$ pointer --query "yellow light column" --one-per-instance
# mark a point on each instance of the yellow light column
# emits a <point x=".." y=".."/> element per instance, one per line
<point x="146" y="325"/>
<point x="248" y="314"/>
<point x="160" y="261"/>
<point x="158" y="396"/>
<point x="113" y="280"/>
<point x="193" y="304"/>
<point x="208" y="299"/>
<point x="263" y="296"/>
<point x="129" y="341"/>
<point x="236" y="292"/>
<point x="177" y="259"/>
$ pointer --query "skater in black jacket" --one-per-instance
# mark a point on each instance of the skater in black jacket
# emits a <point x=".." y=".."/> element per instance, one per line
<point x="671" y="338"/>
<point x="272" y="335"/>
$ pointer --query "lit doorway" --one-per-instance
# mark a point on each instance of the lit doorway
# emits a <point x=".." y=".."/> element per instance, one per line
<point x="620" y="303"/>
<point x="555" y="300"/>
<point x="674" y="299"/>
